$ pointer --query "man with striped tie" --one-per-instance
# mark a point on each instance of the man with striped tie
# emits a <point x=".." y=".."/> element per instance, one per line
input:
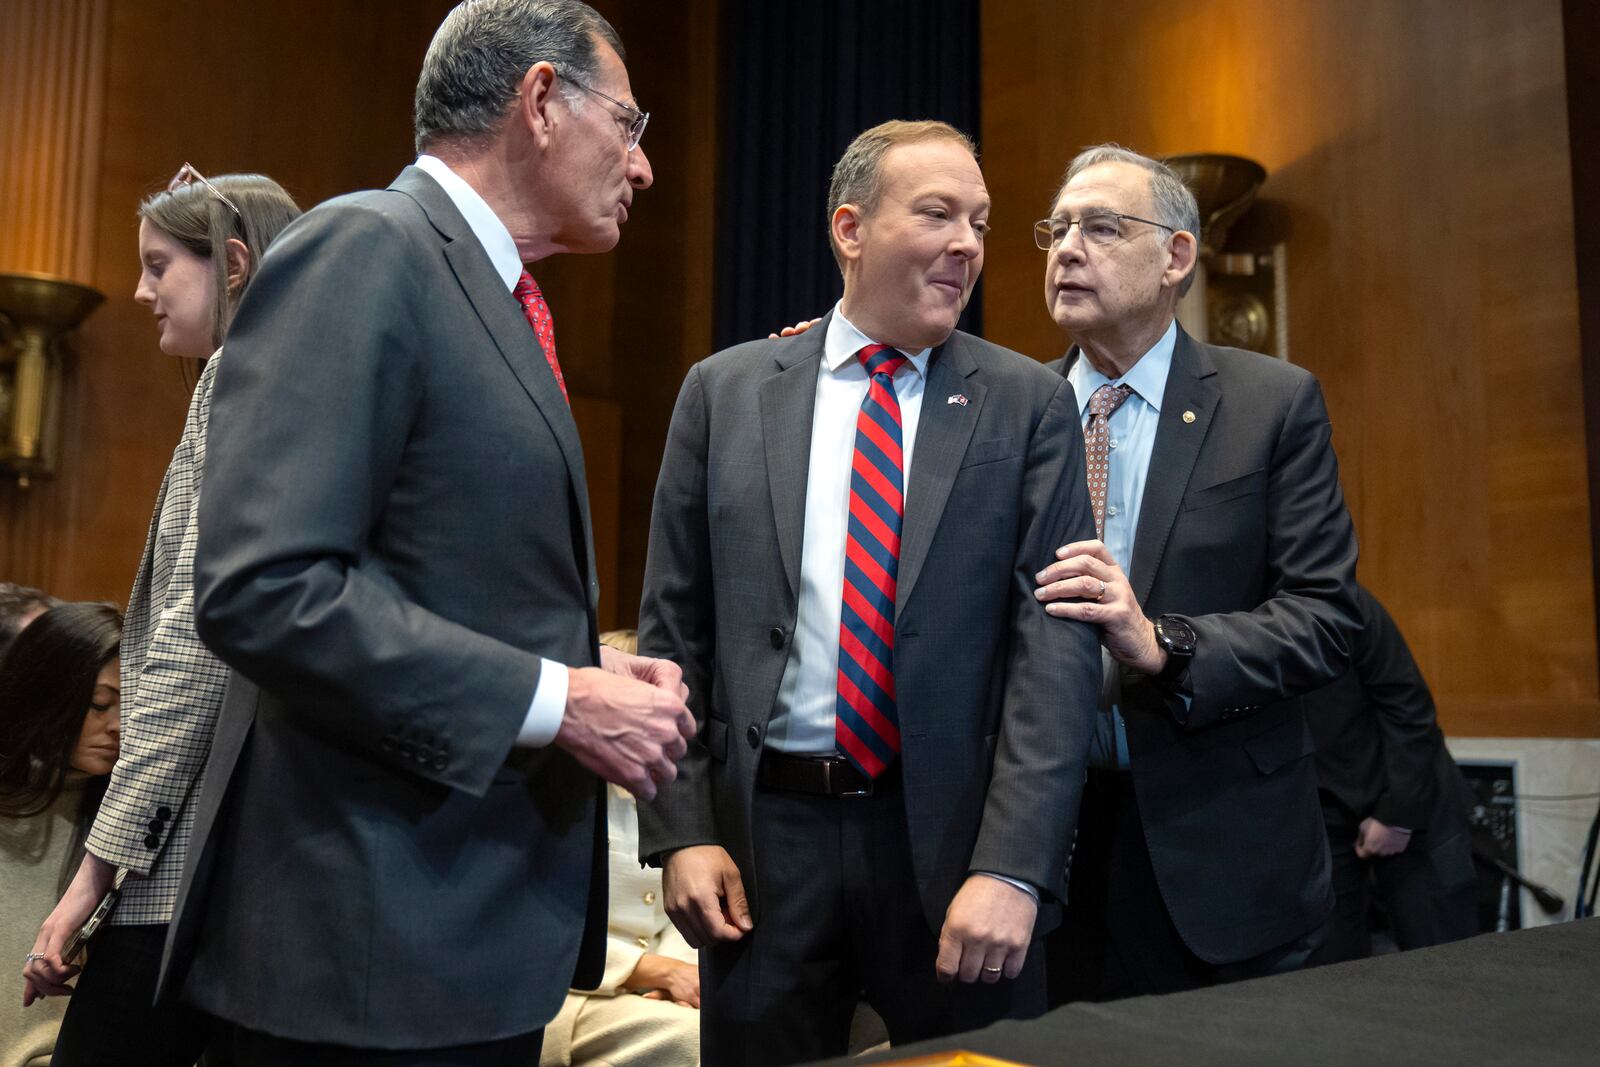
<point x="893" y="732"/>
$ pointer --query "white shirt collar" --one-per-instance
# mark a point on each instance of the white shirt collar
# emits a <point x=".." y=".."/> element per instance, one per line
<point x="844" y="340"/>
<point x="1148" y="376"/>
<point x="484" y="223"/>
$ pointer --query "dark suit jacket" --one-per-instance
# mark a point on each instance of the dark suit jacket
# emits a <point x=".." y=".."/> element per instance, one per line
<point x="996" y="699"/>
<point x="395" y="526"/>
<point x="1380" y="751"/>
<point x="1243" y="531"/>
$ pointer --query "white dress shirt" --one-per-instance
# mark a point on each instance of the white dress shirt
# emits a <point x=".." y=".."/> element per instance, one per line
<point x="802" y="720"/>
<point x="549" y="703"/>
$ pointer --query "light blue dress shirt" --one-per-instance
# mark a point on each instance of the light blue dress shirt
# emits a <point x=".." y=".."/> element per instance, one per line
<point x="1133" y="437"/>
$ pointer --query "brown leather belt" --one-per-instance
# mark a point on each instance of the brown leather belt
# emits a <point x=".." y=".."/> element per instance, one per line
<point x="823" y="776"/>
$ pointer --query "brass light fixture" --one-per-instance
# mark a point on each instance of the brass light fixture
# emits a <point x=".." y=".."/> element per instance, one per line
<point x="36" y="313"/>
<point x="1239" y="296"/>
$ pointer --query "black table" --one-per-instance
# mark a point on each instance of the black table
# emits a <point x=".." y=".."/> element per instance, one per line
<point x="1529" y="997"/>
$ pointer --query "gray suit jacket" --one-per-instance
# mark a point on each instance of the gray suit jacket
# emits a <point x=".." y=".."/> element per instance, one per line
<point x="1243" y="530"/>
<point x="395" y="526"/>
<point x="996" y="699"/>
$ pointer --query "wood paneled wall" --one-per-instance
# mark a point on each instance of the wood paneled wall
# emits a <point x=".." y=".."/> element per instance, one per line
<point x="317" y="93"/>
<point x="1419" y="169"/>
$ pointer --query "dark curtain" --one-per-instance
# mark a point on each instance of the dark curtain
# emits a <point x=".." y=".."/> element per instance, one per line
<point x="801" y="79"/>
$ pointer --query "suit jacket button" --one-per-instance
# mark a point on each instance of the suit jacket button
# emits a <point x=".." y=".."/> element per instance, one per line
<point x="406" y="749"/>
<point x="152" y="841"/>
<point x="753" y="736"/>
<point x="776" y="635"/>
<point x="163" y="812"/>
<point x="388" y="742"/>
<point x="156" y="825"/>
<point x="439" y="762"/>
<point x="424" y="755"/>
<point x="649" y="896"/>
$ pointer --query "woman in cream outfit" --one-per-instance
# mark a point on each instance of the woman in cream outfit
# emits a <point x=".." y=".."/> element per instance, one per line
<point x="647" y="1009"/>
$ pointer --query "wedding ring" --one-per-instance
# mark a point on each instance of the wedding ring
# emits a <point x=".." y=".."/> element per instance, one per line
<point x="30" y="957"/>
<point x="991" y="970"/>
<point x="1102" y="591"/>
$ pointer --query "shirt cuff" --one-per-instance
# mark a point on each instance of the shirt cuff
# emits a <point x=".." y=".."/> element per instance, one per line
<point x="548" y="708"/>
<point x="1024" y="886"/>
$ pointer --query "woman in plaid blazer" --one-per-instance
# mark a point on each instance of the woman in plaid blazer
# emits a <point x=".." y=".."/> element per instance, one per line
<point x="199" y="244"/>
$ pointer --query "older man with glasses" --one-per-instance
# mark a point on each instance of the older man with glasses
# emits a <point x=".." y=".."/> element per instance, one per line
<point x="399" y="851"/>
<point x="1222" y="582"/>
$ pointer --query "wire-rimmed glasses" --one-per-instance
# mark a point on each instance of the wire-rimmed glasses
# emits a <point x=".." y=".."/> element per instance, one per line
<point x="634" y="123"/>
<point x="188" y="175"/>
<point x="1097" y="228"/>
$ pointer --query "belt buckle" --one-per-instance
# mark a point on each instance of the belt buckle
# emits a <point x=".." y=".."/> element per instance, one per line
<point x="827" y="782"/>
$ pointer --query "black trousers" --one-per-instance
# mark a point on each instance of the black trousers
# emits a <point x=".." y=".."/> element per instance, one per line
<point x="111" y="1017"/>
<point x="252" y="1048"/>
<point x="1116" y="938"/>
<point x="1429" y="892"/>
<point x="840" y="918"/>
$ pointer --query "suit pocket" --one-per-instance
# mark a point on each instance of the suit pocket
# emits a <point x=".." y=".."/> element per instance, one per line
<point x="1275" y="749"/>
<point x="717" y="739"/>
<point x="990" y="451"/>
<point x="1228" y="489"/>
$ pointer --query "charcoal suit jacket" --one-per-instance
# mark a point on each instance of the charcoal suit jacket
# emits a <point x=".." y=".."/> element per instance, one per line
<point x="1242" y="531"/>
<point x="395" y="528"/>
<point x="995" y="698"/>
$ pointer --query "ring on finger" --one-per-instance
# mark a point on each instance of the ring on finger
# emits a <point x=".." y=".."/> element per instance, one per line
<point x="30" y="957"/>
<point x="992" y="970"/>
<point x="1102" y="591"/>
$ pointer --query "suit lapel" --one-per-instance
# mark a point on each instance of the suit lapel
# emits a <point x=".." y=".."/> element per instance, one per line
<point x="943" y="432"/>
<point x="1191" y="387"/>
<point x="788" y="403"/>
<point x="509" y="330"/>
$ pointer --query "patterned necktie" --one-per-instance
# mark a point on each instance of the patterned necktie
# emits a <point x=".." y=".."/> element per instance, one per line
<point x="1097" y="447"/>
<point x="866" y="724"/>
<point x="544" y="325"/>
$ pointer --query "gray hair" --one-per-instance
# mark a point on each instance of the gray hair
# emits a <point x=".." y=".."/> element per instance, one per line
<point x="474" y="66"/>
<point x="1174" y="201"/>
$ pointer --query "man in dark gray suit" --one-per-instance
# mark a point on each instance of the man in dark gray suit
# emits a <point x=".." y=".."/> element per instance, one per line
<point x="399" y="844"/>
<point x="842" y="553"/>
<point x="1222" y="583"/>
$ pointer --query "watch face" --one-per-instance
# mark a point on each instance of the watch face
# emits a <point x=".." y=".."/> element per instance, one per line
<point x="1176" y="634"/>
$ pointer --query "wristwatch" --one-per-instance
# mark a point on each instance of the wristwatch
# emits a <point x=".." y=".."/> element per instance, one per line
<point x="1178" y="638"/>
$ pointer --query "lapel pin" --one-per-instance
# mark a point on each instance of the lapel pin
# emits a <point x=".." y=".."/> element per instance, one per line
<point x="1188" y="416"/>
<point x="956" y="398"/>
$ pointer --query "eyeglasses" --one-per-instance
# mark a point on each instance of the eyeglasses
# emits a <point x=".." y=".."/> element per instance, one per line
<point x="635" y="120"/>
<point x="1100" y="228"/>
<point x="187" y="175"/>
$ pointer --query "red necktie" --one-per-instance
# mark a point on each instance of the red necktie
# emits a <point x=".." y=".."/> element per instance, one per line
<point x="544" y="325"/>
<point x="867" y="722"/>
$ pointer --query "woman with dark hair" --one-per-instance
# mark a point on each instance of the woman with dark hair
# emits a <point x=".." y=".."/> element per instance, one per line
<point x="200" y="243"/>
<point x="59" y="726"/>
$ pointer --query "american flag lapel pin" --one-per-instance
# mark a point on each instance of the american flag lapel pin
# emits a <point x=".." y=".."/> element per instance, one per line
<point x="956" y="398"/>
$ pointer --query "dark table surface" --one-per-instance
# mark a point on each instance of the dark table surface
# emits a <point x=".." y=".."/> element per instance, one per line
<point x="1529" y="997"/>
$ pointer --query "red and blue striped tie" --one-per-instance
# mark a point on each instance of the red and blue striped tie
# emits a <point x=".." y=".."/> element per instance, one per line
<point x="867" y="724"/>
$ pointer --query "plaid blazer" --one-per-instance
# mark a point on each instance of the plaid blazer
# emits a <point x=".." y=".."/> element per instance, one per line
<point x="172" y="689"/>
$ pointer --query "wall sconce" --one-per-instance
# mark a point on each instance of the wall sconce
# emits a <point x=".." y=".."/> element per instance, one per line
<point x="1240" y="296"/>
<point x="36" y="312"/>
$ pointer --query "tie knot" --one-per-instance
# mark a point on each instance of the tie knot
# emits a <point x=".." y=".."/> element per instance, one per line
<point x="881" y="359"/>
<point x="526" y="287"/>
<point x="1108" y="398"/>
